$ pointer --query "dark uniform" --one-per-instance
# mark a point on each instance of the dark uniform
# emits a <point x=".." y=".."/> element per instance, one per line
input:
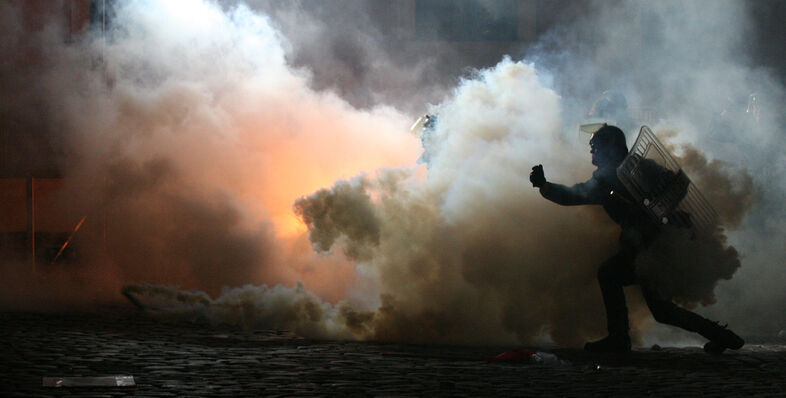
<point x="638" y="231"/>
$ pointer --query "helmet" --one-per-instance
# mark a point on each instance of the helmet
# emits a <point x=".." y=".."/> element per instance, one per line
<point x="610" y="137"/>
<point x="608" y="147"/>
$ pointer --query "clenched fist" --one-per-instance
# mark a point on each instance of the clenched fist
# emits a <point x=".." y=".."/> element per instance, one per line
<point x="536" y="177"/>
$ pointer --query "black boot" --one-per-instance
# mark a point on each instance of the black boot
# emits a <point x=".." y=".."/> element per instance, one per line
<point x="720" y="338"/>
<point x="619" y="343"/>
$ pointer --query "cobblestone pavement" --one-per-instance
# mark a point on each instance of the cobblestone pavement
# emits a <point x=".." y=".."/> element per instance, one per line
<point x="175" y="359"/>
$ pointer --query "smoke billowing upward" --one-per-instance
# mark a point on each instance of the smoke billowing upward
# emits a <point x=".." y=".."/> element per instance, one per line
<point x="194" y="133"/>
<point x="191" y="136"/>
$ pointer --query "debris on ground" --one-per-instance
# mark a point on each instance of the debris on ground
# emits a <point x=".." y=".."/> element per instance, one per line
<point x="528" y="356"/>
<point x="103" y="381"/>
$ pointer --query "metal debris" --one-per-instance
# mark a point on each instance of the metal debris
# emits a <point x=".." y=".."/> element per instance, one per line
<point x="68" y="241"/>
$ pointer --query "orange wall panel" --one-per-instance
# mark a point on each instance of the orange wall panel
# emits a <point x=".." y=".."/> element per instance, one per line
<point x="13" y="206"/>
<point x="51" y="213"/>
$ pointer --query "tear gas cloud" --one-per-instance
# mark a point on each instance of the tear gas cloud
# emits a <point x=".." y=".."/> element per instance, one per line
<point x="203" y="130"/>
<point x="192" y="136"/>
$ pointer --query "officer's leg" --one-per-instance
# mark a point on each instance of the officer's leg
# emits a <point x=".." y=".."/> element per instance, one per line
<point x="613" y="275"/>
<point x="665" y="311"/>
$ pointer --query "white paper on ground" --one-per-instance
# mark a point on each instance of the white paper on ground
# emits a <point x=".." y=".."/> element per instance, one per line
<point x="102" y="381"/>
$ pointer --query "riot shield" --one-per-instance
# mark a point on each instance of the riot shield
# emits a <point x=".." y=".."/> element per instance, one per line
<point x="661" y="188"/>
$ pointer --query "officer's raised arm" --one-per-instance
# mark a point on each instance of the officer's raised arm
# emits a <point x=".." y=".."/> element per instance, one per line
<point x="578" y="194"/>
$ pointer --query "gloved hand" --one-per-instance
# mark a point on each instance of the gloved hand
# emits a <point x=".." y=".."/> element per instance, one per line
<point x="536" y="177"/>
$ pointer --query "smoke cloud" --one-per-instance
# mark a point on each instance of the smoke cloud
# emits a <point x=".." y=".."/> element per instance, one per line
<point x="185" y="137"/>
<point x="225" y="144"/>
<point x="509" y="247"/>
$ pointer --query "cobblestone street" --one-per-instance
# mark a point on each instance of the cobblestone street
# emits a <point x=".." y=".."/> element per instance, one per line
<point x="175" y="359"/>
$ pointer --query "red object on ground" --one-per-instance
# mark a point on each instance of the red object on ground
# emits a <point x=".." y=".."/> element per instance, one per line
<point x="513" y="356"/>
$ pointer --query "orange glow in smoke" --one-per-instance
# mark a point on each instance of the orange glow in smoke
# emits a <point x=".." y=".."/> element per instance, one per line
<point x="296" y="154"/>
<point x="326" y="143"/>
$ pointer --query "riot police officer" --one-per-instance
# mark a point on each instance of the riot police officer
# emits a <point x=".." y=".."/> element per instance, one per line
<point x="608" y="149"/>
